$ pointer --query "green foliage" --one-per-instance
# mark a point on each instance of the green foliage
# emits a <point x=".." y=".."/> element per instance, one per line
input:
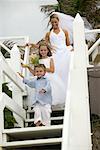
<point x="48" y="9"/>
<point x="5" y="89"/>
<point x="9" y="120"/>
<point x="9" y="44"/>
<point x="95" y="123"/>
<point x="86" y="8"/>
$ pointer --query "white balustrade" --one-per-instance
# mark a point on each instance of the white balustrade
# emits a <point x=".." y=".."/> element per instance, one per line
<point x="18" y="87"/>
<point x="76" y="131"/>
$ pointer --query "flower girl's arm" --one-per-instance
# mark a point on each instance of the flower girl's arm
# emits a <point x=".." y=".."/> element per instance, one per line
<point x="52" y="68"/>
<point x="28" y="67"/>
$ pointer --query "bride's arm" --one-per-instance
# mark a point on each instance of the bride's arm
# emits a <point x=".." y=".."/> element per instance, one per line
<point x="52" y="68"/>
<point x="67" y="37"/>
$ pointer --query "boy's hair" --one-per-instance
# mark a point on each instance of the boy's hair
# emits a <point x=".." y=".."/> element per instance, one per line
<point x="40" y="66"/>
<point x="44" y="43"/>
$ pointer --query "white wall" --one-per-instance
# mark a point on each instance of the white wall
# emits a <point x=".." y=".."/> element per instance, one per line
<point x="23" y="17"/>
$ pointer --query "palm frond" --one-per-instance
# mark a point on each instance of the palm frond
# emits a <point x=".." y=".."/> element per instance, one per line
<point x="9" y="44"/>
<point x="48" y="9"/>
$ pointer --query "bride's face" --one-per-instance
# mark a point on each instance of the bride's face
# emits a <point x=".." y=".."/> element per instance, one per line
<point x="54" y="23"/>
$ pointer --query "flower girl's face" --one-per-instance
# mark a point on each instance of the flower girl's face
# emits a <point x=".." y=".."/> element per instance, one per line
<point x="54" y="23"/>
<point x="43" y="51"/>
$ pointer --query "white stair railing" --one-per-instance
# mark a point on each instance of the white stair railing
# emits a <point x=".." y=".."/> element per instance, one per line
<point x="76" y="131"/>
<point x="18" y="40"/>
<point x="94" y="49"/>
<point x="6" y="101"/>
<point x="15" y="59"/>
<point x="5" y="70"/>
<point x="94" y="54"/>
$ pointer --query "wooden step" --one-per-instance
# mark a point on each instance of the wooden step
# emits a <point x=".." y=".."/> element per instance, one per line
<point x="27" y="143"/>
<point x="52" y="118"/>
<point x="54" y="121"/>
<point x="54" y="114"/>
<point x="31" y="133"/>
<point x="54" y="108"/>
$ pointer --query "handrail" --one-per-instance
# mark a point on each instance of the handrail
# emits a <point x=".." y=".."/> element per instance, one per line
<point x="25" y="38"/>
<point x="6" y="101"/>
<point x="93" y="31"/>
<point x="5" y="68"/>
<point x="94" y="46"/>
<point x="14" y="38"/>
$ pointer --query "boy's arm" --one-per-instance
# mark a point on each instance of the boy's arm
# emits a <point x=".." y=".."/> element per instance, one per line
<point x="30" y="83"/>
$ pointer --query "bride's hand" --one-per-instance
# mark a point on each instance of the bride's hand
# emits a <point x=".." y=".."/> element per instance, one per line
<point x="70" y="47"/>
<point x="31" y="45"/>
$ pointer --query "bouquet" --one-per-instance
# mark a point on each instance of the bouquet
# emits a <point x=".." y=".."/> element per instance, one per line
<point x="34" y="59"/>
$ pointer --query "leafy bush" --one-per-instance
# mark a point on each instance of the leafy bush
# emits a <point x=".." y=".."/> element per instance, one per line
<point x="9" y="119"/>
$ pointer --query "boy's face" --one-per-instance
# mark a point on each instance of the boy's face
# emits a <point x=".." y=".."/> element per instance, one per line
<point x="39" y="71"/>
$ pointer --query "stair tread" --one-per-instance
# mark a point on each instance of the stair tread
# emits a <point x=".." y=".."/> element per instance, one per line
<point x="52" y="118"/>
<point x="38" y="142"/>
<point x="54" y="108"/>
<point x="29" y="129"/>
<point x="34" y="132"/>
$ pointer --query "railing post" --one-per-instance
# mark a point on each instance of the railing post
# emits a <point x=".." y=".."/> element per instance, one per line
<point x="26" y="58"/>
<point x="1" y="74"/>
<point x="76" y="132"/>
<point x="1" y="110"/>
<point x="2" y="121"/>
<point x="16" y="92"/>
<point x="15" y="59"/>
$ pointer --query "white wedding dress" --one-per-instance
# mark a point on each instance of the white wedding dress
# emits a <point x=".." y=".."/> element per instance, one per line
<point x="58" y="90"/>
<point x="61" y="55"/>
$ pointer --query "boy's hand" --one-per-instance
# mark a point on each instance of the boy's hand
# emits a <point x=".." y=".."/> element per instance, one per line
<point x="42" y="91"/>
<point x="20" y="74"/>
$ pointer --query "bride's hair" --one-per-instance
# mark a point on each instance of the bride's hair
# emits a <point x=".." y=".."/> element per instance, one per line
<point x="54" y="16"/>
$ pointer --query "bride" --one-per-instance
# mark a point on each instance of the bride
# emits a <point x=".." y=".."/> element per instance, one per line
<point x="59" y="40"/>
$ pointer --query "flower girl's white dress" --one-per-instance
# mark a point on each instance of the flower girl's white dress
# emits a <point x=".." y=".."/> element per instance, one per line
<point x="58" y="90"/>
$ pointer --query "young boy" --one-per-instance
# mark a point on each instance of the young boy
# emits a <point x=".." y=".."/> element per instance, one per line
<point x="43" y="96"/>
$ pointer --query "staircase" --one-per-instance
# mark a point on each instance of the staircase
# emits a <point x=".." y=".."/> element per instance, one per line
<point x="41" y="138"/>
<point x="70" y="126"/>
